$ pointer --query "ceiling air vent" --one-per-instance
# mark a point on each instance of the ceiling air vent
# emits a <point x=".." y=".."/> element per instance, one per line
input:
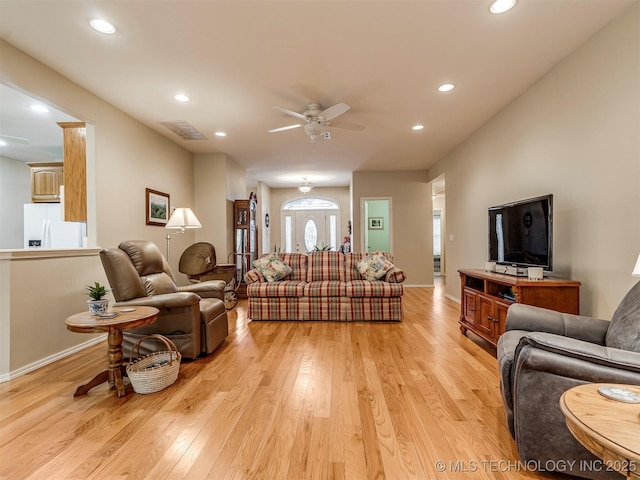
<point x="184" y="130"/>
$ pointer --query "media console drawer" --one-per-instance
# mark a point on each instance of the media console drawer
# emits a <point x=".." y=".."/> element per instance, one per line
<point x="486" y="296"/>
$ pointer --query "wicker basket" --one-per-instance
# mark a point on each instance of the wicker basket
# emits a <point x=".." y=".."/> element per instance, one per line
<point x="155" y="371"/>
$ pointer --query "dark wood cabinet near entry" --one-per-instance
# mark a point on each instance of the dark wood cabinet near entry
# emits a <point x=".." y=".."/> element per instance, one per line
<point x="246" y="237"/>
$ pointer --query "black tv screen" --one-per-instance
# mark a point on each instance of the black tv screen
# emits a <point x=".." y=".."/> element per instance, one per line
<point x="520" y="233"/>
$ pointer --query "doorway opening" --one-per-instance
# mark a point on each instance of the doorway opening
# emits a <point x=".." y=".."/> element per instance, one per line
<point x="437" y="241"/>
<point x="310" y="224"/>
<point x="439" y="225"/>
<point x="376" y="224"/>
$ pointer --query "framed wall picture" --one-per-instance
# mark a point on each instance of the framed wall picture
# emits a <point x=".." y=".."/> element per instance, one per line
<point x="157" y="207"/>
<point x="376" y="223"/>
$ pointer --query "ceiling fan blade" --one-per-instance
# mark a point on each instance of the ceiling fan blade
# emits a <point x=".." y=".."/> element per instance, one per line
<point x="282" y="129"/>
<point x="333" y="112"/>
<point x="292" y="113"/>
<point x="347" y="125"/>
<point x="10" y="139"/>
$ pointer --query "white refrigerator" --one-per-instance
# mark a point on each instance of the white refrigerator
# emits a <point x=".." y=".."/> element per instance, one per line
<point x="44" y="227"/>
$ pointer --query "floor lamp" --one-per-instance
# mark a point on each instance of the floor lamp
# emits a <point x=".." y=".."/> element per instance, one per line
<point x="180" y="220"/>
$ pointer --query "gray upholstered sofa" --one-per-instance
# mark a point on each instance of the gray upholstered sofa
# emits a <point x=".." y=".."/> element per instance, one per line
<point x="542" y="354"/>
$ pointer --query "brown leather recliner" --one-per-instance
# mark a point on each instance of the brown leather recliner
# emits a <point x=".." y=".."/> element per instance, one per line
<point x="193" y="317"/>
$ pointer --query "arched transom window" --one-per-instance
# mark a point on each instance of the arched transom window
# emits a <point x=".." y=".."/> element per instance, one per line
<point x="310" y="203"/>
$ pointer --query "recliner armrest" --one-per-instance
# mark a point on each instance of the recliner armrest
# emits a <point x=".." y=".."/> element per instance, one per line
<point x="206" y="289"/>
<point x="579" y="350"/>
<point x="166" y="300"/>
<point x="536" y="319"/>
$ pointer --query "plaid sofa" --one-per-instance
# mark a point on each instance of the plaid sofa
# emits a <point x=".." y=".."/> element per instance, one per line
<point x="325" y="286"/>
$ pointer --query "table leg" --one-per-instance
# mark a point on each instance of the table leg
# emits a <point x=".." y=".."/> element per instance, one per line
<point x="114" y="374"/>
<point x="114" y="355"/>
<point x="97" y="380"/>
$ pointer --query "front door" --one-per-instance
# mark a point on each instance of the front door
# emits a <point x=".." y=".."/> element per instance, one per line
<point x="310" y="230"/>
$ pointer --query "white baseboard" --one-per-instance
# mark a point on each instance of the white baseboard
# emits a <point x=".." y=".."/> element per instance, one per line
<point x="50" y="359"/>
<point x="451" y="297"/>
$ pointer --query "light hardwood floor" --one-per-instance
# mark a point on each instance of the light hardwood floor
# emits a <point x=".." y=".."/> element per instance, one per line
<point x="278" y="401"/>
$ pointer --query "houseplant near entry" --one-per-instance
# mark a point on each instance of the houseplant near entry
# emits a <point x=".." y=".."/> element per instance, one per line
<point x="98" y="304"/>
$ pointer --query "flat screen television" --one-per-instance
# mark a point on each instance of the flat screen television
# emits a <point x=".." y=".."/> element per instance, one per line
<point x="520" y="233"/>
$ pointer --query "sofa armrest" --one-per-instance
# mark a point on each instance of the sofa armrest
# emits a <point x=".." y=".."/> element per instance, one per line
<point x="206" y="289"/>
<point x="167" y="300"/>
<point x="535" y="319"/>
<point x="577" y="352"/>
<point x="395" y="275"/>
<point x="254" y="276"/>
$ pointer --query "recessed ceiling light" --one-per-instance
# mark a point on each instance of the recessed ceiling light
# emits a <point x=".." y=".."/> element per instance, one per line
<point x="501" y="6"/>
<point x="417" y="127"/>
<point x="102" y="26"/>
<point x="446" y="87"/>
<point x="220" y="134"/>
<point x="39" y="108"/>
<point x="180" y="97"/>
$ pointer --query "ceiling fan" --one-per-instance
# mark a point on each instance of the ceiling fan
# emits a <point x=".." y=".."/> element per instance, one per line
<point x="315" y="120"/>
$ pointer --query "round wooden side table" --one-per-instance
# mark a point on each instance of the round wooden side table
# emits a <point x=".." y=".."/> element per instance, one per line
<point x="610" y="429"/>
<point x="127" y="318"/>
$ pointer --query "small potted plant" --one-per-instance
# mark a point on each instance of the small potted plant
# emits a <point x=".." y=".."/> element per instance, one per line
<point x="98" y="304"/>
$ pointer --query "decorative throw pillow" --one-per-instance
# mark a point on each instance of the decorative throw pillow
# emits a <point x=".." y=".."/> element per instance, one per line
<point x="271" y="267"/>
<point x="374" y="266"/>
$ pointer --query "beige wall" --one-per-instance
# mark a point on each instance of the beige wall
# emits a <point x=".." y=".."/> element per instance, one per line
<point x="217" y="183"/>
<point x="411" y="210"/>
<point x="15" y="191"/>
<point x="211" y="202"/>
<point x="263" y="193"/>
<point x="124" y="157"/>
<point x="37" y="322"/>
<point x="575" y="134"/>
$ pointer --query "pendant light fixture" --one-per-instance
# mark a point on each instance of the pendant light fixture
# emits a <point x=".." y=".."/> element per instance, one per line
<point x="305" y="187"/>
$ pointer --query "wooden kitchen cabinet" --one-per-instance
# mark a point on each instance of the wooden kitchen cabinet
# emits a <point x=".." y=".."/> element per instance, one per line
<point x="75" y="172"/>
<point x="46" y="180"/>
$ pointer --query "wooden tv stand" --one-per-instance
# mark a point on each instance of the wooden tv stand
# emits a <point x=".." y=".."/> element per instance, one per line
<point x="486" y="296"/>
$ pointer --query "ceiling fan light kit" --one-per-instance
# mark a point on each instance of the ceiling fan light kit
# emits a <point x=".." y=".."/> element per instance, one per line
<point x="315" y="120"/>
<point x="314" y="128"/>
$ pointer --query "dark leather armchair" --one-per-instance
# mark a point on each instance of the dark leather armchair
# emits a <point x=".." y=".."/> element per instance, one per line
<point x="542" y="354"/>
<point x="193" y="317"/>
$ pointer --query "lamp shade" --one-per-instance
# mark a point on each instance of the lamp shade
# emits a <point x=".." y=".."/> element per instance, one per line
<point x="636" y="270"/>
<point x="183" y="218"/>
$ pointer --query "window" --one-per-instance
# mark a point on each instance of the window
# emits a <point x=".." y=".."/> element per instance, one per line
<point x="288" y="234"/>
<point x="437" y="233"/>
<point x="310" y="235"/>
<point x="333" y="235"/>
<point x="311" y="204"/>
